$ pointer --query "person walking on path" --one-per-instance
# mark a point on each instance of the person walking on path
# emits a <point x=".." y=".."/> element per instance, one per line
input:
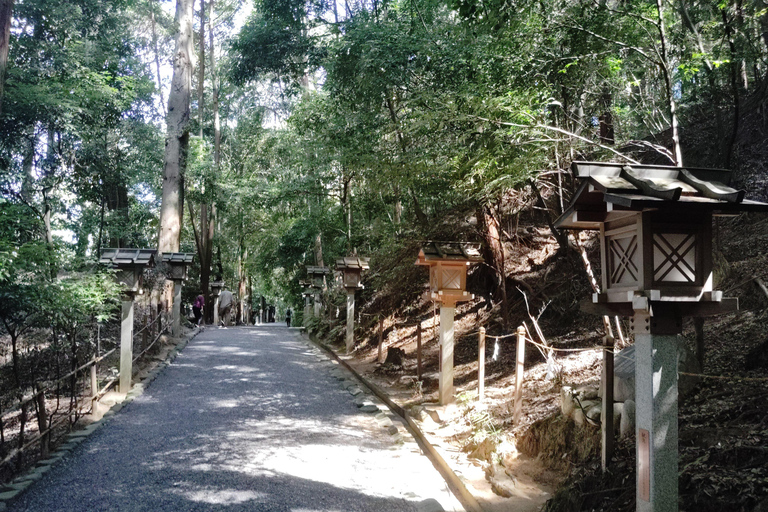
<point x="288" y="317"/>
<point x="225" y="306"/>
<point x="197" y="309"/>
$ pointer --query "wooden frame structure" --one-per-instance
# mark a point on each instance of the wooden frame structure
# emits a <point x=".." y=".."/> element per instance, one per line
<point x="177" y="262"/>
<point x="448" y="263"/>
<point x="351" y="269"/>
<point x="655" y="225"/>
<point x="316" y="275"/>
<point x="130" y="265"/>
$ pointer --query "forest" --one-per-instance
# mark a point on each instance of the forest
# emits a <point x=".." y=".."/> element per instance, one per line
<point x="267" y="135"/>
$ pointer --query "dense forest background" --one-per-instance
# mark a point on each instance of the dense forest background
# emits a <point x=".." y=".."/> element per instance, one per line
<point x="271" y="135"/>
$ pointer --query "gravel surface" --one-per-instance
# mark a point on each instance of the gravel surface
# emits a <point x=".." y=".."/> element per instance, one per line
<point x="244" y="419"/>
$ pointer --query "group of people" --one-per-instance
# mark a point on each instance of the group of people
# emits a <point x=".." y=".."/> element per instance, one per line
<point x="226" y="303"/>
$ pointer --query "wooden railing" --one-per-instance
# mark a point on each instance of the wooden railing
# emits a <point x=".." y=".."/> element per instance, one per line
<point x="80" y="400"/>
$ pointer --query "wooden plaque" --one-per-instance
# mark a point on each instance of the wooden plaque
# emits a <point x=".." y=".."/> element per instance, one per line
<point x="644" y="465"/>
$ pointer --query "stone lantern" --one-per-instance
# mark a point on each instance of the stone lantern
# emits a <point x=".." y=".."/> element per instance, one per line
<point x="316" y="276"/>
<point x="352" y="269"/>
<point x="216" y="287"/>
<point x="448" y="263"/>
<point x="655" y="225"/>
<point x="129" y="265"/>
<point x="177" y="262"/>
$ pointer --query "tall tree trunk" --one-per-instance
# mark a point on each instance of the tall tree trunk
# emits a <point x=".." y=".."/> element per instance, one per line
<point x="201" y="70"/>
<point x="734" y="74"/>
<point x="668" y="83"/>
<point x="242" y="285"/>
<point x="319" y="250"/>
<point x="6" y="14"/>
<point x="177" y="139"/>
<point x="215" y="86"/>
<point x="157" y="59"/>
<point x="495" y="257"/>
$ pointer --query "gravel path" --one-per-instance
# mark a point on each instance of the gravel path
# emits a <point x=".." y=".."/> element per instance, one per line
<point x="244" y="419"/>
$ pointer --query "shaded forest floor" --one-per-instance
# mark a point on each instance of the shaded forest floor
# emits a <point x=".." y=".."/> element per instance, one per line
<point x="723" y="423"/>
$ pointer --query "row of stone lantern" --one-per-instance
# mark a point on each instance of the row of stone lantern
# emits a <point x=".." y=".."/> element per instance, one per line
<point x="129" y="265"/>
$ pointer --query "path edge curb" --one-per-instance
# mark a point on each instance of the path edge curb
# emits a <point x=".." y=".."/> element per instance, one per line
<point x="468" y="501"/>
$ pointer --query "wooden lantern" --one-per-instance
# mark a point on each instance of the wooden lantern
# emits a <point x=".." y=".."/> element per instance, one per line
<point x="448" y="263"/>
<point x="655" y="225"/>
<point x="129" y="264"/>
<point x="316" y="275"/>
<point x="216" y="287"/>
<point x="178" y="263"/>
<point x="352" y="269"/>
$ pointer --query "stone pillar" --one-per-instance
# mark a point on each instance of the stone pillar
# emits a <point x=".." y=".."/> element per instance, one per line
<point x="656" y="422"/>
<point x="216" y="310"/>
<point x="176" y="327"/>
<point x="126" y="344"/>
<point x="318" y="304"/>
<point x="445" y="392"/>
<point x="307" y="308"/>
<point x="350" y="319"/>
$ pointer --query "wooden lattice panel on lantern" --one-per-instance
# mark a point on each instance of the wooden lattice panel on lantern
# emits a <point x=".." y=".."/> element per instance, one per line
<point x="452" y="278"/>
<point x="624" y="259"/>
<point x="674" y="258"/>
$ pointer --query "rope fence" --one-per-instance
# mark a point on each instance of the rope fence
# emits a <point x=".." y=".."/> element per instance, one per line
<point x="32" y="408"/>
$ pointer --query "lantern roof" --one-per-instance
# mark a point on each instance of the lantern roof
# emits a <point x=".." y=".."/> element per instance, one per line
<point x="456" y="252"/>
<point x="178" y="258"/>
<point x="123" y="258"/>
<point x="315" y="270"/>
<point x="608" y="191"/>
<point x="353" y="263"/>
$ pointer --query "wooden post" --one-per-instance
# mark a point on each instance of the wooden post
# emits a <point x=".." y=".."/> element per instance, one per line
<point x="94" y="381"/>
<point x="445" y="385"/>
<point x="176" y="326"/>
<point x="418" y="351"/>
<point x="42" y="423"/>
<point x="607" y="412"/>
<point x="519" y="369"/>
<point x="481" y="364"/>
<point x="350" y="339"/>
<point x="126" y="345"/>
<point x="381" y="338"/>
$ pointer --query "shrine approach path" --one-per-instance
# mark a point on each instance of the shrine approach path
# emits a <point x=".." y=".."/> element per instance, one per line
<point x="246" y="418"/>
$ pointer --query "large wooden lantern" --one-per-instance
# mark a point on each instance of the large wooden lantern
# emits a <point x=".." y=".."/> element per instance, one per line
<point x="316" y="275"/>
<point x="130" y="265"/>
<point x="351" y="269"/>
<point x="177" y="263"/>
<point x="655" y="225"/>
<point x="448" y="263"/>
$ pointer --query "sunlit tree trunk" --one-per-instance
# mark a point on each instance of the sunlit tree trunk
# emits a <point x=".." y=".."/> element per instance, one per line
<point x="6" y="14"/>
<point x="177" y="139"/>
